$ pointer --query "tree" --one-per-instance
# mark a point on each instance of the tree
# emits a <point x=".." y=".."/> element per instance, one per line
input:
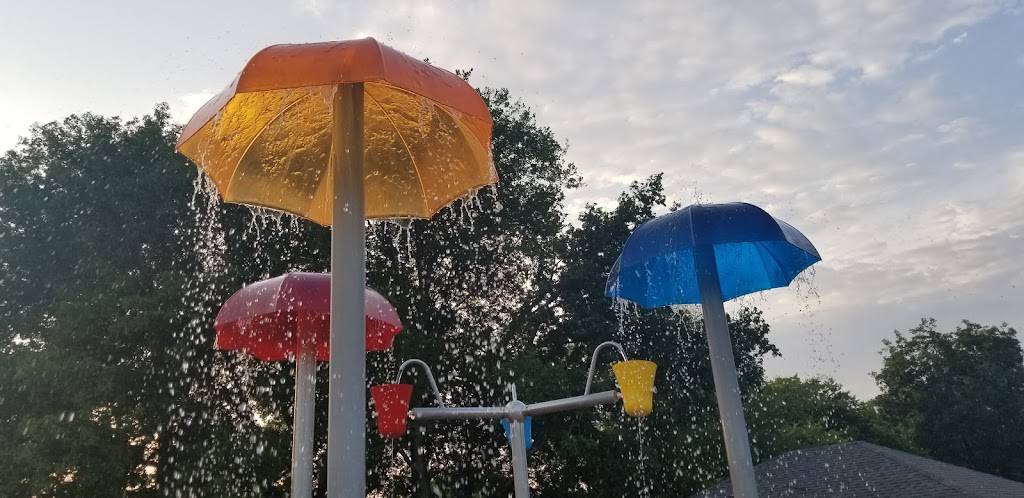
<point x="464" y="281"/>
<point x="791" y="413"/>
<point x="104" y="332"/>
<point x="799" y="413"/>
<point x="962" y="392"/>
<point x="87" y="212"/>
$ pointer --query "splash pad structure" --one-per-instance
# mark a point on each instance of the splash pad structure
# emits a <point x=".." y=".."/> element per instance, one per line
<point x="337" y="133"/>
<point x="636" y="390"/>
<point x="708" y="254"/>
<point x="342" y="132"/>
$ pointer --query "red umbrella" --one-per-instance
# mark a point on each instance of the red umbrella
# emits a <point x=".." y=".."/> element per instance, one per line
<point x="264" y="319"/>
<point x="288" y="317"/>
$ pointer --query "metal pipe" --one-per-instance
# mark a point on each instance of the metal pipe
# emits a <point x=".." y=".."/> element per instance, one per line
<point x="723" y="369"/>
<point x="302" y="428"/>
<point x="418" y="455"/>
<point x="346" y="414"/>
<point x="453" y="413"/>
<point x="561" y="405"/>
<point x="517" y="439"/>
<point x="593" y="361"/>
<point x="430" y="377"/>
<point x="516" y="412"/>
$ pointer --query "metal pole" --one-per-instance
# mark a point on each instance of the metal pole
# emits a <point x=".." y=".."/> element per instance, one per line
<point x="561" y="405"/>
<point x="420" y="477"/>
<point x="723" y="368"/>
<point x="346" y="416"/>
<point x="517" y="438"/>
<point x="302" y="428"/>
<point x="496" y="412"/>
<point x="459" y="412"/>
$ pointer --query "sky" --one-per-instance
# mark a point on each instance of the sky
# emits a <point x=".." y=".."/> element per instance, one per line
<point x="890" y="132"/>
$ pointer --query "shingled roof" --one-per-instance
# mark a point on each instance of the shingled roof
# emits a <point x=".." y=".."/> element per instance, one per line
<point x="861" y="469"/>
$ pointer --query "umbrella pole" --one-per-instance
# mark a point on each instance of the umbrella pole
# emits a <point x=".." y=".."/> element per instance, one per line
<point x="517" y="440"/>
<point x="346" y="424"/>
<point x="723" y="368"/>
<point x="420" y="477"/>
<point x="302" y="428"/>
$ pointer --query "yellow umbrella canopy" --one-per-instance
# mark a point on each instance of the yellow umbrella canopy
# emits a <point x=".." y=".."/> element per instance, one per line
<point x="266" y="139"/>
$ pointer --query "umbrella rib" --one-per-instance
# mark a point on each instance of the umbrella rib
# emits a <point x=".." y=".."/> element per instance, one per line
<point x="419" y="176"/>
<point x="771" y="254"/>
<point x="227" y="188"/>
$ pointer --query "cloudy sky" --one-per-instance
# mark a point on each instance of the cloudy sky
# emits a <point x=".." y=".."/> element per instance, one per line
<point x="890" y="132"/>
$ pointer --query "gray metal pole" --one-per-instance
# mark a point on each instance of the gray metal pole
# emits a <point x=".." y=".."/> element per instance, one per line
<point x="418" y="454"/>
<point x="561" y="405"/>
<point x="302" y="428"/>
<point x="517" y="438"/>
<point x="346" y="416"/>
<point x="723" y="368"/>
<point x="458" y="413"/>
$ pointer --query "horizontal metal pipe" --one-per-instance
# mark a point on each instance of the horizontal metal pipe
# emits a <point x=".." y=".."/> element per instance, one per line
<point x="493" y="412"/>
<point x="452" y="413"/>
<point x="560" y="405"/>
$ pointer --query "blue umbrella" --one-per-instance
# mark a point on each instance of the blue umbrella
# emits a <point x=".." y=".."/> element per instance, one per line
<point x="708" y="254"/>
<point x="754" y="252"/>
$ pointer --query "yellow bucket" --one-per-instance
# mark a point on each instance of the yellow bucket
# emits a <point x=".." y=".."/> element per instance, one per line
<point x="636" y="383"/>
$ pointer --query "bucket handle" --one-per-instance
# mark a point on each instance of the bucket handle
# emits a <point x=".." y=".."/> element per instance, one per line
<point x="593" y="361"/>
<point x="430" y="377"/>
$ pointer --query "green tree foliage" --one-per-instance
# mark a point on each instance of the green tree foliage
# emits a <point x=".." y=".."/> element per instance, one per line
<point x="106" y="387"/>
<point x="791" y="413"/>
<point x="88" y="212"/>
<point x="462" y="281"/>
<point x="962" y="393"/>
<point x="802" y="414"/>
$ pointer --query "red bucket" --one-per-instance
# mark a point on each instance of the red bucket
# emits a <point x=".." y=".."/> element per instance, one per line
<point x="392" y="403"/>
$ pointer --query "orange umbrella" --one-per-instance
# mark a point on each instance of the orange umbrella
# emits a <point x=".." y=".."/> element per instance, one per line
<point x="293" y="132"/>
<point x="266" y="139"/>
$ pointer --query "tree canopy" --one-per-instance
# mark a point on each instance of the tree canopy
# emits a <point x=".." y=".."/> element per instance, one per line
<point x="962" y="393"/>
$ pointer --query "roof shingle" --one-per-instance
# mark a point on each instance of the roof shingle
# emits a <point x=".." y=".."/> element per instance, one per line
<point x="862" y="469"/>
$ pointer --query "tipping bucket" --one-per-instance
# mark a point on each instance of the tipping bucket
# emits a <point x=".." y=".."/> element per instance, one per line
<point x="392" y="404"/>
<point x="636" y="383"/>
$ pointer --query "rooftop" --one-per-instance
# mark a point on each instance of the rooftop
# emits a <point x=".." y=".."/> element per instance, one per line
<point x="860" y="469"/>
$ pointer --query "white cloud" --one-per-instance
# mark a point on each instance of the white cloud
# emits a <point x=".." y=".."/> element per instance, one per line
<point x="918" y="103"/>
<point x="959" y="129"/>
<point x="1015" y="159"/>
<point x="188" y="104"/>
<point x="315" y="8"/>
<point x="806" y="75"/>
